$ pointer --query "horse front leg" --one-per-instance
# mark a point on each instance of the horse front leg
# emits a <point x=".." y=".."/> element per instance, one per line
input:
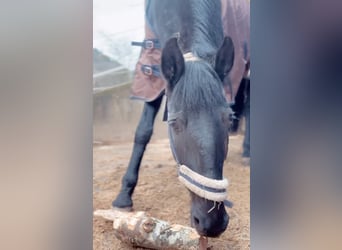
<point x="246" y="141"/>
<point x="238" y="107"/>
<point x="142" y="137"/>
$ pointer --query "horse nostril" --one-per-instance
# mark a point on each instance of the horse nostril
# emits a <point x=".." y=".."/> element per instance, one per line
<point x="210" y="226"/>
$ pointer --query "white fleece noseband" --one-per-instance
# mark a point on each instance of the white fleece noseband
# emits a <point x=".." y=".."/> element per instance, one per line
<point x="207" y="188"/>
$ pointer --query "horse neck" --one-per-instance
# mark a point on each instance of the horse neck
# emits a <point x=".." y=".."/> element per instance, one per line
<point x="207" y="28"/>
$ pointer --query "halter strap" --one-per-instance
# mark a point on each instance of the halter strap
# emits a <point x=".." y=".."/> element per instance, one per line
<point x="191" y="57"/>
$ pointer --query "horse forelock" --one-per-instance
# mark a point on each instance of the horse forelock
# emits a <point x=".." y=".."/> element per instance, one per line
<point x="199" y="88"/>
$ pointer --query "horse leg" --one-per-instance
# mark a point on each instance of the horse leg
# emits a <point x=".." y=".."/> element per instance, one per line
<point x="246" y="142"/>
<point x="143" y="135"/>
<point x="238" y="106"/>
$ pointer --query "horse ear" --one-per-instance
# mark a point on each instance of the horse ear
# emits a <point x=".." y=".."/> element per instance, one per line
<point x="172" y="62"/>
<point x="224" y="58"/>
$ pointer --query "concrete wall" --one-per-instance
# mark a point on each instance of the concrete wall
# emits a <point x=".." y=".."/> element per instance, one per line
<point x="116" y="116"/>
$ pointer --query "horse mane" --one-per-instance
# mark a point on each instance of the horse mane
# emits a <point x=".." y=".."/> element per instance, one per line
<point x="197" y="90"/>
<point x="207" y="27"/>
<point x="200" y="87"/>
<point x="201" y="33"/>
<point x="198" y="22"/>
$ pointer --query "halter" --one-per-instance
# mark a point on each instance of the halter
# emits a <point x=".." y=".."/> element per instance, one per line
<point x="191" y="57"/>
<point x="207" y="188"/>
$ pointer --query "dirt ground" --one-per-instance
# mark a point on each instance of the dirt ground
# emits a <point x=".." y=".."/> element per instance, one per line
<point x="159" y="192"/>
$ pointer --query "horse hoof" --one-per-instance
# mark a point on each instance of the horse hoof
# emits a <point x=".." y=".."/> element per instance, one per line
<point x="123" y="209"/>
<point x="123" y="201"/>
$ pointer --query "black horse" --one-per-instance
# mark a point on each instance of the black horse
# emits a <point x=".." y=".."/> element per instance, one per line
<point x="196" y="58"/>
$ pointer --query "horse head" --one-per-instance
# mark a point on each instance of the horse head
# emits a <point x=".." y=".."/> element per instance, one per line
<point x="198" y="119"/>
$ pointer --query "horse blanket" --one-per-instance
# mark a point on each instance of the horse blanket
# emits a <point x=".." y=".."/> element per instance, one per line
<point x="148" y="83"/>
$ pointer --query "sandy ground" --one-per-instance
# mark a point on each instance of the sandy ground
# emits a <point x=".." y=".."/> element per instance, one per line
<point x="159" y="192"/>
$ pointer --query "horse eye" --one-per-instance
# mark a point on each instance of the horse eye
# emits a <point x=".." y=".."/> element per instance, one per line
<point x="176" y="125"/>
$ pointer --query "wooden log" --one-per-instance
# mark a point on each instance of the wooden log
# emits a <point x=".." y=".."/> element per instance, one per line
<point x="140" y="229"/>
